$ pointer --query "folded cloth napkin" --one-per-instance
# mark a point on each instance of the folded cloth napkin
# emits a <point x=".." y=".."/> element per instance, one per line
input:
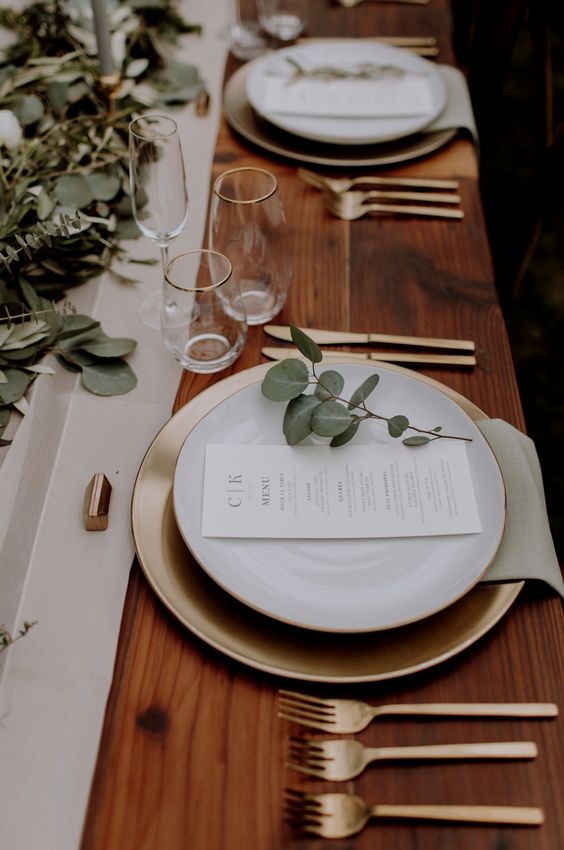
<point x="385" y="97"/>
<point x="458" y="113"/>
<point x="527" y="550"/>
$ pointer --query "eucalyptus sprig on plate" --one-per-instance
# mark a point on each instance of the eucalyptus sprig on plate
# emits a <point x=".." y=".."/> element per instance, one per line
<point x="324" y="412"/>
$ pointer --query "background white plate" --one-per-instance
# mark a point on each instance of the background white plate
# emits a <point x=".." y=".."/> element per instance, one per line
<point x="349" y="585"/>
<point x="338" y="130"/>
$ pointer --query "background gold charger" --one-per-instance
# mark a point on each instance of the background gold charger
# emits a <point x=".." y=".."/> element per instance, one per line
<point x="259" y="641"/>
<point x="241" y="116"/>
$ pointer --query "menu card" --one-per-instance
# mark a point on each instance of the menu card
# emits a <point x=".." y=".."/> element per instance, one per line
<point x="353" y="491"/>
<point x="396" y="97"/>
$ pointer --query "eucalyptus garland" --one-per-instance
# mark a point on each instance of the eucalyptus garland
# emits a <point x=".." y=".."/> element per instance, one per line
<point x="64" y="186"/>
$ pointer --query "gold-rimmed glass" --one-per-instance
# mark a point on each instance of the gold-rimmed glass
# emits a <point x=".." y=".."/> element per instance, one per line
<point x="248" y="225"/>
<point x="203" y="316"/>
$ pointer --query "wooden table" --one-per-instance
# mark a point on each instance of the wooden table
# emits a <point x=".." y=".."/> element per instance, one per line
<point x="192" y="751"/>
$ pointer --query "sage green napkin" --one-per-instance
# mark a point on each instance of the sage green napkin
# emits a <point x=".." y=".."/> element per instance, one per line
<point x="527" y="550"/>
<point x="458" y="113"/>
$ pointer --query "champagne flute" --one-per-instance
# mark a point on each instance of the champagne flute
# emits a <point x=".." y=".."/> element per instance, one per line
<point x="158" y="192"/>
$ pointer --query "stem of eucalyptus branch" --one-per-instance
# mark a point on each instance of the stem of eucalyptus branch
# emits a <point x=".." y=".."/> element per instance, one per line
<point x="433" y="435"/>
<point x="6" y="638"/>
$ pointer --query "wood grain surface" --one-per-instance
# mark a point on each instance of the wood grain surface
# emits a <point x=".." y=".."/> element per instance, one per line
<point x="192" y="752"/>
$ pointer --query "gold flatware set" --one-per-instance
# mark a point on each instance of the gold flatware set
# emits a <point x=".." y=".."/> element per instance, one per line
<point x="427" y="198"/>
<point x="343" y="759"/>
<point x="341" y="815"/>
<point x="422" y="45"/>
<point x="347" y="716"/>
<point x="328" y="337"/>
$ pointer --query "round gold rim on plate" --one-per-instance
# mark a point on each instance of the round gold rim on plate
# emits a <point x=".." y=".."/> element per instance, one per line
<point x="259" y="641"/>
<point x="241" y="116"/>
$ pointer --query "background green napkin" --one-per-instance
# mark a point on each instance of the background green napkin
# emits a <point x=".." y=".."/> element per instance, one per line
<point x="527" y="550"/>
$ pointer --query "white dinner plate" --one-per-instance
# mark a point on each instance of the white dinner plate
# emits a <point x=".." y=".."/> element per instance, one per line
<point x="356" y="130"/>
<point x="342" y="585"/>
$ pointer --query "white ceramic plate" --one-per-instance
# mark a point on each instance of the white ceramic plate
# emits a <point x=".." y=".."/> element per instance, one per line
<point x="342" y="585"/>
<point x="343" y="130"/>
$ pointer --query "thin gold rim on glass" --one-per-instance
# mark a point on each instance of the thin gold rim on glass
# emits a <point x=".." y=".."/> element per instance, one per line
<point x="261" y="642"/>
<point x="198" y="288"/>
<point x="155" y="137"/>
<point x="256" y="200"/>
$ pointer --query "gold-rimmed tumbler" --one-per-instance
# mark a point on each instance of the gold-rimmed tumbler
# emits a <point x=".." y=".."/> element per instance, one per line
<point x="248" y="225"/>
<point x="203" y="316"/>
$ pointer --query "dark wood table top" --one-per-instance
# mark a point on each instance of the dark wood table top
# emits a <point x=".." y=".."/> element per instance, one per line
<point x="192" y="751"/>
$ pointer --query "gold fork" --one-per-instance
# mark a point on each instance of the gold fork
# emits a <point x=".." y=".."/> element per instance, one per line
<point x="343" y="184"/>
<point x="347" y="716"/>
<point x="342" y="815"/>
<point x="344" y="759"/>
<point x="342" y="207"/>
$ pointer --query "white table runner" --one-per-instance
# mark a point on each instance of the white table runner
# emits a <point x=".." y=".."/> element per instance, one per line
<point x="55" y="682"/>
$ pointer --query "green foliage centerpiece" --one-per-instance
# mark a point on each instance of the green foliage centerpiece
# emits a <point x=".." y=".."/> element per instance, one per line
<point x="64" y="183"/>
<point x="324" y="412"/>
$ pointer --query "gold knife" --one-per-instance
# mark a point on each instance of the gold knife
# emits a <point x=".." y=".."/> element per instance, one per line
<point x="323" y="337"/>
<point x="382" y="356"/>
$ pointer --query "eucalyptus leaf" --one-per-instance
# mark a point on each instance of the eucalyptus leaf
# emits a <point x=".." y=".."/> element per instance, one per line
<point x="22" y="405"/>
<point x="77" y="323"/>
<point x="297" y="418"/>
<point x="330" y="383"/>
<point x="16" y="384"/>
<point x="4" y="418"/>
<point x="29" y="109"/>
<point x="285" y="380"/>
<point x="416" y="441"/>
<point x="45" y="206"/>
<point x="5" y="332"/>
<point x="3" y="378"/>
<point x="40" y="369"/>
<point x="330" y="418"/>
<point x="114" y="377"/>
<point x="306" y="345"/>
<point x="361" y="394"/>
<point x="136" y="67"/>
<point x="347" y="435"/>
<point x="104" y="185"/>
<point x="397" y="425"/>
<point x="73" y="190"/>
<point x="28" y="328"/>
<point x="18" y="344"/>
<point x="107" y="346"/>
<point x="58" y="95"/>
<point x="78" y="359"/>
<point x="126" y="228"/>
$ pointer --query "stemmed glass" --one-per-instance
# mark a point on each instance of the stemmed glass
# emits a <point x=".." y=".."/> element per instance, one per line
<point x="246" y="41"/>
<point x="158" y="192"/>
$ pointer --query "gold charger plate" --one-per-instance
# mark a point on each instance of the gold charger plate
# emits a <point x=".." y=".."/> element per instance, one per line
<point x="259" y="641"/>
<point x="240" y="115"/>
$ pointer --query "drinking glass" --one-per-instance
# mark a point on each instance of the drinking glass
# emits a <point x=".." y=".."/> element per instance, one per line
<point x="246" y="40"/>
<point x="282" y="19"/>
<point x="247" y="224"/>
<point x="203" y="315"/>
<point x="158" y="192"/>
